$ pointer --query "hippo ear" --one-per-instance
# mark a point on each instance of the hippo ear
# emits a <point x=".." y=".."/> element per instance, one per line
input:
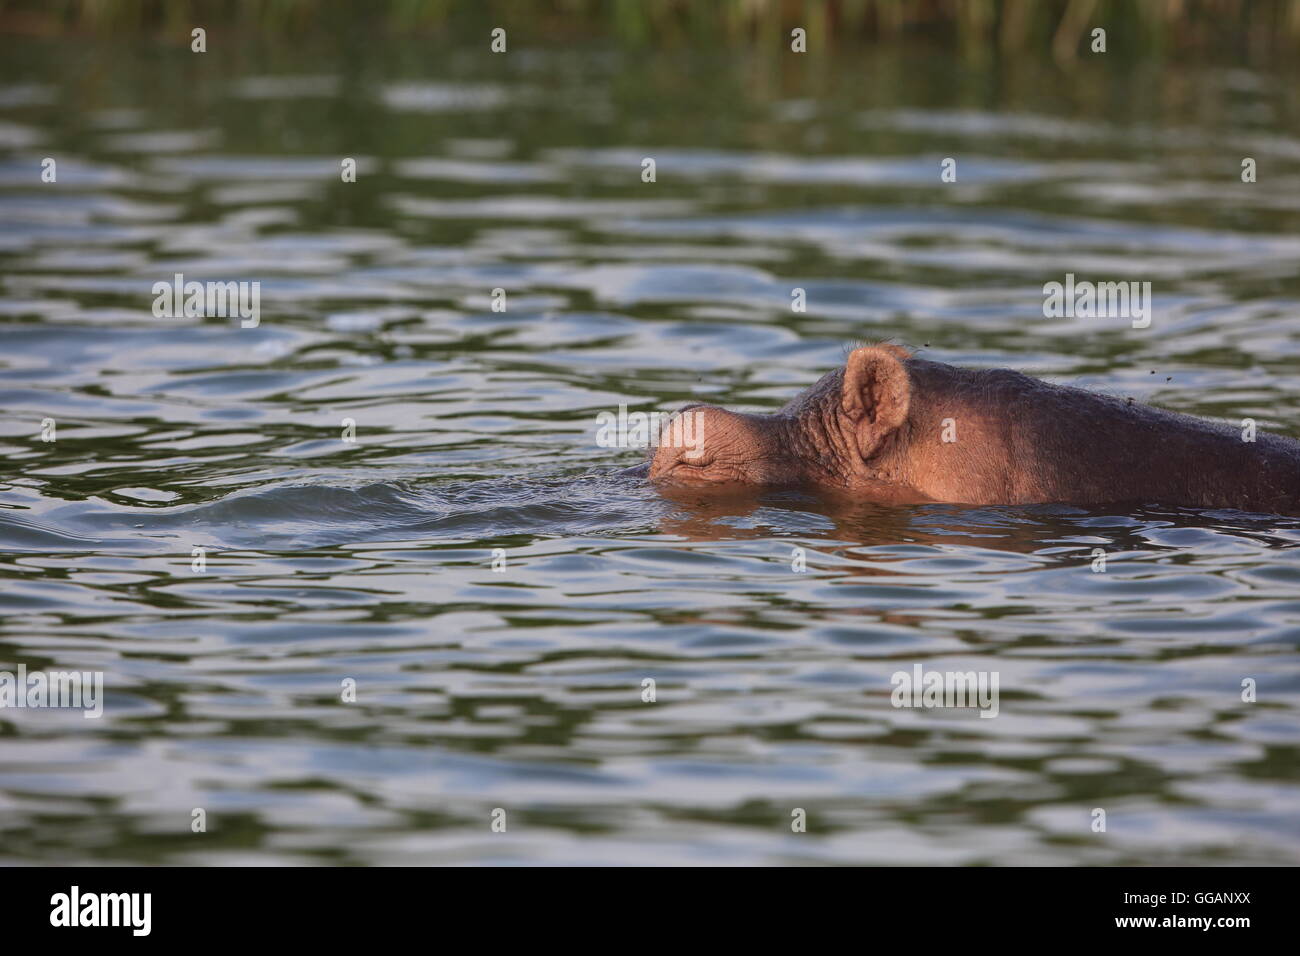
<point x="876" y="394"/>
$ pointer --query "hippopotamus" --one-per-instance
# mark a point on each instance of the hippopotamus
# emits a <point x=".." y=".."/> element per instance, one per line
<point x="891" y="427"/>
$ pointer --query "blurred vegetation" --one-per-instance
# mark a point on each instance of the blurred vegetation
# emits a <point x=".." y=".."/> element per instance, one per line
<point x="1061" y="28"/>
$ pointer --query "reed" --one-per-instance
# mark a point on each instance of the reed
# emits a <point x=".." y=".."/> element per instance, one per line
<point x="976" y="27"/>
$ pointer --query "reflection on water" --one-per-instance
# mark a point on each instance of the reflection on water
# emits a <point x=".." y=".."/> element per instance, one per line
<point x="771" y="623"/>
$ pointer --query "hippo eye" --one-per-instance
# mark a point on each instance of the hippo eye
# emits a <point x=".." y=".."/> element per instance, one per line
<point x="695" y="464"/>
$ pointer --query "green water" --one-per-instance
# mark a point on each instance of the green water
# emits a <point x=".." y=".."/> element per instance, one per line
<point x="520" y="689"/>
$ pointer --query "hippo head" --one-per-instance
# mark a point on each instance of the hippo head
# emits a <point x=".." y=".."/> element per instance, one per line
<point x="891" y="428"/>
<point x="849" y="431"/>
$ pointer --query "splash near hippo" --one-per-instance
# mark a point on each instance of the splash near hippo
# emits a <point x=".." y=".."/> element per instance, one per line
<point x="893" y="427"/>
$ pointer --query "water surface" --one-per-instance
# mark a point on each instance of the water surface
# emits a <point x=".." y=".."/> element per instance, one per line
<point x="521" y="688"/>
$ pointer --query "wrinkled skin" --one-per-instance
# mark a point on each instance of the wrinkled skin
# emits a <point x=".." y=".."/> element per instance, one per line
<point x="875" y="431"/>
